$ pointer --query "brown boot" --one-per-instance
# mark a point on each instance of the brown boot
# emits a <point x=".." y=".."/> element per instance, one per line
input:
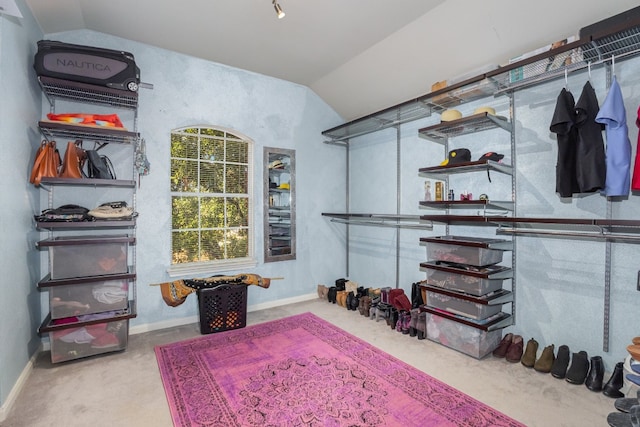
<point x="545" y="362"/>
<point x="501" y="350"/>
<point x="529" y="357"/>
<point x="514" y="352"/>
<point x="322" y="292"/>
<point x="341" y="298"/>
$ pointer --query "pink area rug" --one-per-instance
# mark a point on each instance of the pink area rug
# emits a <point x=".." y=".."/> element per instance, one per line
<point x="304" y="371"/>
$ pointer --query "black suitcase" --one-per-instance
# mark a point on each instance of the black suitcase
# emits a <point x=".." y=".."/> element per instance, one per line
<point x="86" y="64"/>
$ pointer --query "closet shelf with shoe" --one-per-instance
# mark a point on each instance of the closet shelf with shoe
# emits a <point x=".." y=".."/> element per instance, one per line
<point x="91" y="279"/>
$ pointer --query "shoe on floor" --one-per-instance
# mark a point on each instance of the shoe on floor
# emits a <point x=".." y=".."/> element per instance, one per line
<point x="615" y="382"/>
<point x="621" y="419"/>
<point x="545" y="362"/>
<point x="514" y="352"/>
<point x="623" y="404"/>
<point x="577" y="372"/>
<point x="529" y="357"/>
<point x="501" y="350"/>
<point x="560" y="365"/>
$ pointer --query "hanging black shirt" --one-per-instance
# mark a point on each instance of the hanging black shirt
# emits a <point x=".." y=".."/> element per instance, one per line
<point x="590" y="156"/>
<point x="563" y="125"/>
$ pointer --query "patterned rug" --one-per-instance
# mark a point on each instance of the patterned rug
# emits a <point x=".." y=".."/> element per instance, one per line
<point x="304" y="371"/>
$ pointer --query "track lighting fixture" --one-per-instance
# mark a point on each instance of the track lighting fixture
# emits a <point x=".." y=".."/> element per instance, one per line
<point x="278" y="9"/>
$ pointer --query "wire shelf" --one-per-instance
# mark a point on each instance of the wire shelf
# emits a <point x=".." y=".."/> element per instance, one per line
<point x="76" y="91"/>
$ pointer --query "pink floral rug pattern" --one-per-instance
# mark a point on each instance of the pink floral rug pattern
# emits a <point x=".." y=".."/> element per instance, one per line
<point x="304" y="371"/>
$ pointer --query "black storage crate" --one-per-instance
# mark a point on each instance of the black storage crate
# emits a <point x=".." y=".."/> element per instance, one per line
<point x="222" y="308"/>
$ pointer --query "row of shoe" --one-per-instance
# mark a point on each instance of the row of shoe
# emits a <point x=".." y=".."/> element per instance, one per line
<point x="391" y="305"/>
<point x="575" y="368"/>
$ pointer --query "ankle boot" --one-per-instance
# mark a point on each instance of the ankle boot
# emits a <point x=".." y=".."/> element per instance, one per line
<point x="529" y="356"/>
<point x="613" y="386"/>
<point x="595" y="375"/>
<point x="341" y="298"/>
<point x="413" y="322"/>
<point x="579" y="368"/>
<point x="331" y="294"/>
<point x="514" y="352"/>
<point x="393" y="318"/>
<point x="349" y="300"/>
<point x="355" y="302"/>
<point x="363" y="306"/>
<point x="560" y="365"/>
<point x="544" y="363"/>
<point x="421" y="325"/>
<point x="406" y="323"/>
<point x="400" y="321"/>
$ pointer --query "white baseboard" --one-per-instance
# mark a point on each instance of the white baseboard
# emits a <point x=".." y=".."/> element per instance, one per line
<point x="148" y="327"/>
<point x="17" y="387"/>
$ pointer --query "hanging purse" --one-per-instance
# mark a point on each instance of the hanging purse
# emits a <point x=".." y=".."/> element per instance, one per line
<point x="46" y="163"/>
<point x="99" y="167"/>
<point x="73" y="160"/>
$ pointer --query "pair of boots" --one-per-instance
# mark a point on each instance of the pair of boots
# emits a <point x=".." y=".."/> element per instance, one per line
<point x="364" y="305"/>
<point x="510" y="347"/>
<point x="542" y="364"/>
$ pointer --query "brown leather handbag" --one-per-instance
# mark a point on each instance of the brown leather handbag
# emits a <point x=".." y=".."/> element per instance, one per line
<point x="73" y="160"/>
<point x="46" y="163"/>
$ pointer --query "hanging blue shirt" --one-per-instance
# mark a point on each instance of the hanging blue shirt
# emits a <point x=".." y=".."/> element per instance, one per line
<point x="613" y="115"/>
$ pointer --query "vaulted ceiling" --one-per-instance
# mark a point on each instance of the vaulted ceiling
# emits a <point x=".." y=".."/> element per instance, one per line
<point x="360" y="56"/>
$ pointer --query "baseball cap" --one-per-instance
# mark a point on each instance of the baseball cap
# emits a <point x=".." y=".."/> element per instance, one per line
<point x="496" y="157"/>
<point x="449" y="115"/>
<point x="459" y="155"/>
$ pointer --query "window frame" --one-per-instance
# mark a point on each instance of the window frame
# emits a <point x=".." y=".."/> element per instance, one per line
<point x="201" y="268"/>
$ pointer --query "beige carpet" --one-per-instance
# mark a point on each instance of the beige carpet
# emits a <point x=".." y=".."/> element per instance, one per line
<point x="125" y="389"/>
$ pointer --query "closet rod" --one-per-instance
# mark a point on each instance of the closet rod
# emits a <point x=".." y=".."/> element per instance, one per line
<point x="591" y="235"/>
<point x="382" y="223"/>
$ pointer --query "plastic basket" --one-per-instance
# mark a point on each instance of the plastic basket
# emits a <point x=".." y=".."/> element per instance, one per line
<point x="222" y="308"/>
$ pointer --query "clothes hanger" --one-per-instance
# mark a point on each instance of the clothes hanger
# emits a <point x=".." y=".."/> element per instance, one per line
<point x="613" y="65"/>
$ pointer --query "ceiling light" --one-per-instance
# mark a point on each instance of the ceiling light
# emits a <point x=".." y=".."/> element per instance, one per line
<point x="278" y="9"/>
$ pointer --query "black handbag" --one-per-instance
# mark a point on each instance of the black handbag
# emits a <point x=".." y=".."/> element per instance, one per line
<point x="64" y="213"/>
<point x="99" y="167"/>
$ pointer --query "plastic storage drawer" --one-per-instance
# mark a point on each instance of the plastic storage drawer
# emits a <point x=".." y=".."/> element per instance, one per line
<point x="81" y="338"/>
<point x="466" y="250"/>
<point x="87" y="255"/>
<point x="88" y="298"/>
<point x="473" y="307"/>
<point x="467" y="339"/>
<point x="468" y="279"/>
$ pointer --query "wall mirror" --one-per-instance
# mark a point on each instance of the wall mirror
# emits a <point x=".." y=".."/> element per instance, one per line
<point x="279" y="204"/>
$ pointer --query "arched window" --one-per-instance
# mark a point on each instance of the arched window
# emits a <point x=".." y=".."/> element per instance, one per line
<point x="211" y="200"/>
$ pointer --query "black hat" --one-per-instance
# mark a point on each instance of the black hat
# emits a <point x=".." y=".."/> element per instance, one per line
<point x="459" y="155"/>
<point x="492" y="156"/>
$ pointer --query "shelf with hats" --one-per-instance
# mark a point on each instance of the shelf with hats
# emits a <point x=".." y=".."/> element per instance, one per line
<point x="463" y="126"/>
<point x="466" y="167"/>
